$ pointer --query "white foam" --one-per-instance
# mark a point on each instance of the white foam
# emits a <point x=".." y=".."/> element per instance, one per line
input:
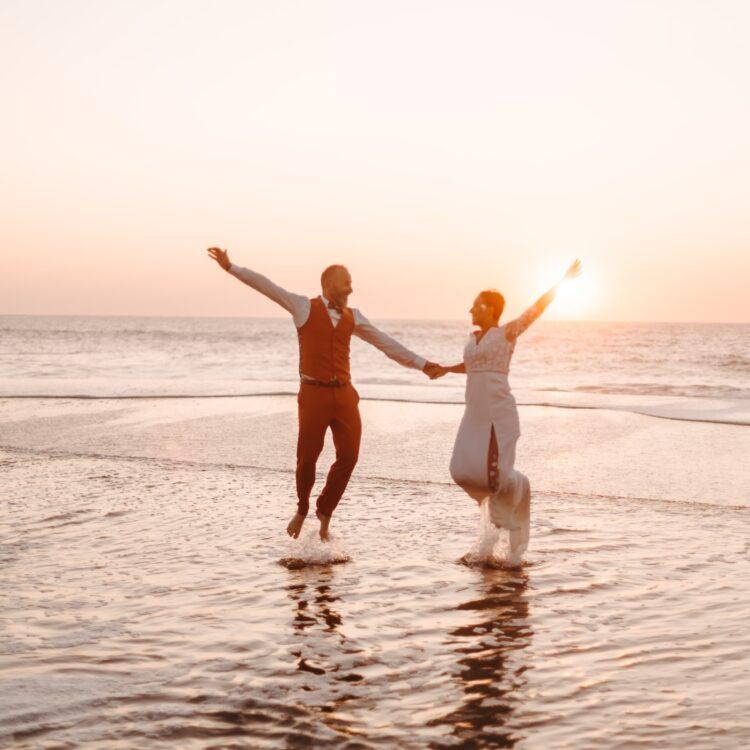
<point x="492" y="545"/>
<point x="309" y="550"/>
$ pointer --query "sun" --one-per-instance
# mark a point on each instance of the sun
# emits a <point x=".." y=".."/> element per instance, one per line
<point x="576" y="298"/>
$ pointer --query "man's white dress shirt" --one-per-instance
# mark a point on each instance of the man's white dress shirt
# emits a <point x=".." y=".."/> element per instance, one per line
<point x="299" y="306"/>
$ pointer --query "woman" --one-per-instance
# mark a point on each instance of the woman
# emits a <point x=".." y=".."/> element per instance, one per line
<point x="485" y="448"/>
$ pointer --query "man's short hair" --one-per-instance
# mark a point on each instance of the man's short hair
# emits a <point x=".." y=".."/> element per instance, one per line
<point x="330" y="273"/>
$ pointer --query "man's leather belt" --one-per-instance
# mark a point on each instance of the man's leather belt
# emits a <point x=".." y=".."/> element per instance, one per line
<point x="332" y="383"/>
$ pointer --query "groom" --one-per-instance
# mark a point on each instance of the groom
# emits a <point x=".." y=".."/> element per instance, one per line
<point x="326" y="397"/>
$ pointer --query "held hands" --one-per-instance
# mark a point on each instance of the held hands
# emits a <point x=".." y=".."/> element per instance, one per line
<point x="220" y="256"/>
<point x="434" y="370"/>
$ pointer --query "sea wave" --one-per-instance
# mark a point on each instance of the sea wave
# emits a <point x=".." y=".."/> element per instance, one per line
<point x="689" y="390"/>
<point x="724" y="412"/>
<point x="738" y="363"/>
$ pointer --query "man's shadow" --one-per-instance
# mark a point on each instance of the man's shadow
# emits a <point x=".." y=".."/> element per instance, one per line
<point x="490" y="658"/>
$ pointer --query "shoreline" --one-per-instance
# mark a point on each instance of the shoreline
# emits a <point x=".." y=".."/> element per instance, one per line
<point x="643" y="405"/>
<point x="579" y="452"/>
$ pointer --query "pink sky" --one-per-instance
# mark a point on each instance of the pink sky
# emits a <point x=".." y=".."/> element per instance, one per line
<point x="436" y="148"/>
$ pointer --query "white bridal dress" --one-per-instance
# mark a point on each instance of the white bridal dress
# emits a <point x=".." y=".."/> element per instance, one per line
<point x="485" y="450"/>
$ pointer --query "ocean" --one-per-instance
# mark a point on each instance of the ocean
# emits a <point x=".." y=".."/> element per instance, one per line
<point x="671" y="369"/>
<point x="148" y="600"/>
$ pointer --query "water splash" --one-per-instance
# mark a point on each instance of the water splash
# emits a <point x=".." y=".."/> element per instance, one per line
<point x="309" y="551"/>
<point x="491" y="549"/>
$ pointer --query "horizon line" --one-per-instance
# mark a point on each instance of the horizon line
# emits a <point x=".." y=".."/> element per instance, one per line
<point x="432" y="320"/>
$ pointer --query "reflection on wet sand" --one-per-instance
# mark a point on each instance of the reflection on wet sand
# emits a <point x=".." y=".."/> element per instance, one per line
<point x="311" y="592"/>
<point x="323" y="648"/>
<point x="490" y="670"/>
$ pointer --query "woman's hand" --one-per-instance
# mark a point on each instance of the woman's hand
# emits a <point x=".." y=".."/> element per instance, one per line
<point x="573" y="271"/>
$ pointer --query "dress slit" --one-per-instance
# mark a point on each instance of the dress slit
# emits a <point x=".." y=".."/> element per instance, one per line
<point x="493" y="457"/>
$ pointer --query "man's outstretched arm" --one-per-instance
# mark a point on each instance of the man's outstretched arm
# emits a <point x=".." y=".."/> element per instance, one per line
<point x="297" y="304"/>
<point x="389" y="346"/>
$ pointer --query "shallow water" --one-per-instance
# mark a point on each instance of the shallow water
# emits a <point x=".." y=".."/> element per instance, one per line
<point x="144" y="603"/>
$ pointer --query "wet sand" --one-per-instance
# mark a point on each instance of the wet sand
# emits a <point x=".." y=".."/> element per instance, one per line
<point x="145" y="603"/>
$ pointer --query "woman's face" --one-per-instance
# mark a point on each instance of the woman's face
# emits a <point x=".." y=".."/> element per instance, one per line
<point x="481" y="314"/>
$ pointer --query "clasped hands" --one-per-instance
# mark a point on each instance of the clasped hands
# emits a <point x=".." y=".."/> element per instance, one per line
<point x="434" y="370"/>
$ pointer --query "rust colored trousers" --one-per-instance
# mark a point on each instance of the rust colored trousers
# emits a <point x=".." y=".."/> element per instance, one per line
<point x="319" y="409"/>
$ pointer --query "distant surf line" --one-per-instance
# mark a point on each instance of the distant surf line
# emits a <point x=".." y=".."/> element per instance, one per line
<point x="544" y="404"/>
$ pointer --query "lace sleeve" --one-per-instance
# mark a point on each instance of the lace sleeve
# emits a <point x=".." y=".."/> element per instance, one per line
<point x="516" y="327"/>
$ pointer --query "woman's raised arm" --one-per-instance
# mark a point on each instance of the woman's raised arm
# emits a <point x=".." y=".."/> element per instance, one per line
<point x="516" y="327"/>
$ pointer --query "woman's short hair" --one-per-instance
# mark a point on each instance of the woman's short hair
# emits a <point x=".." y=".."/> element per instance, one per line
<point x="495" y="301"/>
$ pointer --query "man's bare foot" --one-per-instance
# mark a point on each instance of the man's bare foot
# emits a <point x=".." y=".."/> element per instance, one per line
<point x="295" y="526"/>
<point x="324" y="521"/>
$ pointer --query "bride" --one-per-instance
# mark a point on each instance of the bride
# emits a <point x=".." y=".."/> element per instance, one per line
<point x="485" y="450"/>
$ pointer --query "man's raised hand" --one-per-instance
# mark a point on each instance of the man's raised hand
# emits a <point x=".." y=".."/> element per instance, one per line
<point x="220" y="256"/>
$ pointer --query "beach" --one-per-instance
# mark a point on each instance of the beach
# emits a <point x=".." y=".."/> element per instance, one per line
<point x="151" y="598"/>
<point x="219" y="221"/>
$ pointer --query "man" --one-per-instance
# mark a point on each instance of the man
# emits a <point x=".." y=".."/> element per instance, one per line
<point x="327" y="397"/>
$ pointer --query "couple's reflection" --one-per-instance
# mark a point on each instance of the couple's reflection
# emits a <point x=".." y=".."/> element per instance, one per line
<point x="324" y="653"/>
<point x="490" y="648"/>
<point x="310" y="591"/>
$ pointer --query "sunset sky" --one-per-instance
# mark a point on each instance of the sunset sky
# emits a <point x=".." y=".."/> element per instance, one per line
<point x="436" y="148"/>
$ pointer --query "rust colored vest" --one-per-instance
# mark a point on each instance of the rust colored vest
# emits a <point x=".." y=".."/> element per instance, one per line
<point x="323" y="349"/>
